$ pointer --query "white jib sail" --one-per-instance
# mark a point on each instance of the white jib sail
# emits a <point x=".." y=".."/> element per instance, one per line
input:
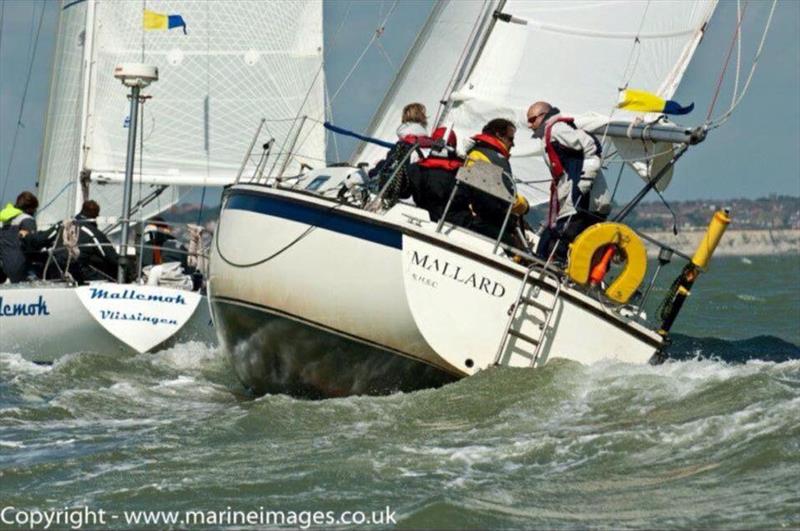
<point x="237" y="62"/>
<point x="59" y="166"/>
<point x="574" y="54"/>
<point x="427" y="71"/>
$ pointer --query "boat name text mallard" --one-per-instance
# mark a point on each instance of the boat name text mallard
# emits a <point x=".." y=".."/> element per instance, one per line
<point x="454" y="272"/>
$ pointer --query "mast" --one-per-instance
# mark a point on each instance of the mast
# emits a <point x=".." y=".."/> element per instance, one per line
<point x="86" y="93"/>
<point x="136" y="76"/>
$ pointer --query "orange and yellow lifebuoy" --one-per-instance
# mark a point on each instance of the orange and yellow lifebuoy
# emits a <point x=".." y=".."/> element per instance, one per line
<point x="582" y="251"/>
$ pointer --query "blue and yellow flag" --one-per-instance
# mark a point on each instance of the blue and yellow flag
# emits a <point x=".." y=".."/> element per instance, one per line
<point x="641" y="101"/>
<point x="159" y="21"/>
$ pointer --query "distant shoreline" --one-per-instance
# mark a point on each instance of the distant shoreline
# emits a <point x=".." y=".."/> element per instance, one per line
<point x="749" y="242"/>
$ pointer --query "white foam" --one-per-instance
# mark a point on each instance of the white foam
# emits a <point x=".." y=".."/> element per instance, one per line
<point x="749" y="298"/>
<point x="191" y="355"/>
<point x="16" y="364"/>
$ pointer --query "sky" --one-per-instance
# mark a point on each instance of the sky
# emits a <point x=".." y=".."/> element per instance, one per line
<point x="755" y="154"/>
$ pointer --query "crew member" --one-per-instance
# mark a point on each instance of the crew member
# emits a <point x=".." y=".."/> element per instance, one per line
<point x="579" y="196"/>
<point x="494" y="145"/>
<point x="432" y="180"/>
<point x="412" y="133"/>
<point x="160" y="246"/>
<point x="16" y="223"/>
<point x="98" y="260"/>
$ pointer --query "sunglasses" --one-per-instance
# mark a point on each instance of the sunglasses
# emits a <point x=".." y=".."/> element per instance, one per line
<point x="535" y="116"/>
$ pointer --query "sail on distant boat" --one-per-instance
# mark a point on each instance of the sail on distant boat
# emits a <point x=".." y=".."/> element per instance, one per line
<point x="240" y="61"/>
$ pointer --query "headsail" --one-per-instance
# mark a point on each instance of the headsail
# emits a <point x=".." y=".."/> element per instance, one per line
<point x="574" y="54"/>
<point x="238" y="61"/>
<point x="428" y="69"/>
<point x="59" y="165"/>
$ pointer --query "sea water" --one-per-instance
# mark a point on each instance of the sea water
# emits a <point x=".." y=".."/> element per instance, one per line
<point x="709" y="440"/>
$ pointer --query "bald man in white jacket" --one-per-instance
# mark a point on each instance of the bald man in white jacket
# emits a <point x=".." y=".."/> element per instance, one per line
<point x="579" y="194"/>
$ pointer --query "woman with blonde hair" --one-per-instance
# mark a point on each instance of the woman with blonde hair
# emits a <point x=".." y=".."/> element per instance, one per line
<point x="411" y="136"/>
<point x="415" y="122"/>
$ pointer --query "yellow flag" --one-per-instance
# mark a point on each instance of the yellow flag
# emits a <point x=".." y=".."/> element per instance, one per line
<point x="641" y="101"/>
<point x="154" y="21"/>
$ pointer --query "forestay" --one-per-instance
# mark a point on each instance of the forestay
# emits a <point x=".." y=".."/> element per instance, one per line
<point x="237" y="61"/>
<point x="574" y="54"/>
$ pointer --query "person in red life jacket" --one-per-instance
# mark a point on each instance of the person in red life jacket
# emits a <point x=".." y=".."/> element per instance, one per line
<point x="494" y="145"/>
<point x="414" y="124"/>
<point x="579" y="196"/>
<point x="412" y="134"/>
<point x="432" y="180"/>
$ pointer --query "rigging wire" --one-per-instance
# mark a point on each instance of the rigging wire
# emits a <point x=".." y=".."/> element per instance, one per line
<point x="631" y="64"/>
<point x="30" y="32"/>
<point x="20" y="125"/>
<point x="314" y="82"/>
<point x="378" y="33"/>
<point x="375" y="36"/>
<point x="717" y="122"/>
<point x="739" y="15"/>
<point x="736" y="32"/>
<point x="331" y="118"/>
<point x="385" y="55"/>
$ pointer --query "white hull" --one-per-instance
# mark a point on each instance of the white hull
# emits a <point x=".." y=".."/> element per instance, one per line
<point x="390" y="284"/>
<point x="44" y="321"/>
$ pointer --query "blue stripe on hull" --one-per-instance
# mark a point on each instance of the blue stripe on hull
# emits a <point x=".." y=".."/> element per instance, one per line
<point x="324" y="218"/>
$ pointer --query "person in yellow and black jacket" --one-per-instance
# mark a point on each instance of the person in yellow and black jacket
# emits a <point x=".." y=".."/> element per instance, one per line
<point x="16" y="224"/>
<point x="494" y="145"/>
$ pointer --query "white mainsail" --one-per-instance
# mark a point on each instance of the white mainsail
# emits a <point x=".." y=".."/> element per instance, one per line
<point x="237" y="62"/>
<point x="576" y="55"/>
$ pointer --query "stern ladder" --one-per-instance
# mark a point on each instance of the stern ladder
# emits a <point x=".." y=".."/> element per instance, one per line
<point x="522" y="302"/>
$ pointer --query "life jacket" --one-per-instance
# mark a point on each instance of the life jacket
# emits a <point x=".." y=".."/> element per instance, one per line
<point x="556" y="166"/>
<point x="444" y="159"/>
<point x="442" y="164"/>
<point x="8" y="213"/>
<point x="493" y="142"/>
<point x="489" y="149"/>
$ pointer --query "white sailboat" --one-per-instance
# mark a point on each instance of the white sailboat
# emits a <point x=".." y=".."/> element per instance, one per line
<point x="336" y="299"/>
<point x="227" y="62"/>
